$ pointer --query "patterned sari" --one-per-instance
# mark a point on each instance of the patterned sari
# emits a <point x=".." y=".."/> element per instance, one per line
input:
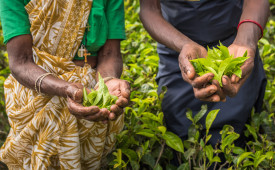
<point x="43" y="134"/>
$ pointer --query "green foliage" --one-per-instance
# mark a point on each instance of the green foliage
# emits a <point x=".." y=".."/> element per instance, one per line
<point x="219" y="62"/>
<point x="4" y="72"/>
<point x="101" y="97"/>
<point x="142" y="142"/>
<point x="145" y="143"/>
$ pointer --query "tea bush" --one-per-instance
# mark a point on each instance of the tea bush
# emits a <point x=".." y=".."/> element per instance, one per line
<point x="145" y="142"/>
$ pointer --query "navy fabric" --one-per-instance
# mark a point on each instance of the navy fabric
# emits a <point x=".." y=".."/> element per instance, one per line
<point x="205" y="22"/>
<point x="235" y="111"/>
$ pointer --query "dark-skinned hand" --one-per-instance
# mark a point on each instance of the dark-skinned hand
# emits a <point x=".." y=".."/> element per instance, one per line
<point x="203" y="88"/>
<point x="231" y="86"/>
<point x="74" y="94"/>
<point x="121" y="89"/>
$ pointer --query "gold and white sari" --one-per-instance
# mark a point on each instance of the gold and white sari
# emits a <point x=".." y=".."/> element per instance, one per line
<point x="43" y="134"/>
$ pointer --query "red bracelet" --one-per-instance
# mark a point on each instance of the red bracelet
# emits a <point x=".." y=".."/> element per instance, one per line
<point x="248" y="20"/>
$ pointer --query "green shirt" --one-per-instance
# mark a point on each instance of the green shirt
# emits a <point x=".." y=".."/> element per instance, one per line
<point x="106" y="21"/>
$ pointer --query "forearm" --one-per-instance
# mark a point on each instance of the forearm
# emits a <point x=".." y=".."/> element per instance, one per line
<point x="109" y="59"/>
<point x="249" y="33"/>
<point x="159" y="28"/>
<point x="26" y="72"/>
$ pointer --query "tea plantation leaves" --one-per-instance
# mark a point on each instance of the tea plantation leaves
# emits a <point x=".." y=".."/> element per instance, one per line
<point x="219" y="62"/>
<point x="100" y="97"/>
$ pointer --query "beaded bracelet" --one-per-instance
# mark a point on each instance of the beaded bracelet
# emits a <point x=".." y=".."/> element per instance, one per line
<point x="252" y="21"/>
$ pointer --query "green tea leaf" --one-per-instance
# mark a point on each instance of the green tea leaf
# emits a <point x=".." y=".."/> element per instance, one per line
<point x="219" y="62"/>
<point x="146" y="132"/>
<point x="228" y="140"/>
<point x="209" y="152"/>
<point x="158" y="167"/>
<point x="184" y="166"/>
<point x="259" y="160"/>
<point x="242" y="157"/>
<point x="222" y="68"/>
<point x="132" y="155"/>
<point x="189" y="115"/>
<point x="85" y="98"/>
<point x="173" y="141"/>
<point x="92" y="96"/>
<point x="224" y="50"/>
<point x="101" y="98"/>
<point x="201" y="113"/>
<point x="211" y="116"/>
<point x="216" y="159"/>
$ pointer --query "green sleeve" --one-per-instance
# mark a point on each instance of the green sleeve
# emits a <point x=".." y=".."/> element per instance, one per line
<point x="14" y="19"/>
<point x="115" y="19"/>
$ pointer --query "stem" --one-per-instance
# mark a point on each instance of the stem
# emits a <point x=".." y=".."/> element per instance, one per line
<point x="190" y="164"/>
<point x="216" y="163"/>
<point x="160" y="154"/>
<point x="179" y="157"/>
<point x="223" y="165"/>
<point x="194" y="162"/>
<point x="204" y="162"/>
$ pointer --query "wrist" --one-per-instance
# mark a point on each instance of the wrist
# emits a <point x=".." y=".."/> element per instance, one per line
<point x="248" y="35"/>
<point x="187" y="44"/>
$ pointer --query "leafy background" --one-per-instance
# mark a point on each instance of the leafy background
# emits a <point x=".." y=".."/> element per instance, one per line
<point x="145" y="143"/>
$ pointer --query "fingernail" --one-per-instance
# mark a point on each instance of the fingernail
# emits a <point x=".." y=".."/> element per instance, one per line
<point x="237" y="79"/>
<point x="225" y="81"/>
<point x="210" y="78"/>
<point x="212" y="91"/>
<point x="188" y="71"/>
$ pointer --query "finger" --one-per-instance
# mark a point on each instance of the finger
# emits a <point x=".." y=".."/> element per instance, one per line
<point x="79" y="110"/>
<point x="75" y="93"/>
<point x="219" y="92"/>
<point x="116" y="109"/>
<point x="205" y="92"/>
<point x="247" y="67"/>
<point x="105" y="112"/>
<point x="95" y="118"/>
<point x="112" y="116"/>
<point x="202" y="81"/>
<point x="88" y="90"/>
<point x="104" y="121"/>
<point x="213" y="98"/>
<point x="228" y="88"/>
<point x="122" y="102"/>
<point x="235" y="79"/>
<point x="186" y="67"/>
<point x="100" y="116"/>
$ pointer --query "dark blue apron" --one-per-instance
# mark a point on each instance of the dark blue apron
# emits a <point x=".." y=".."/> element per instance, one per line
<point x="206" y="22"/>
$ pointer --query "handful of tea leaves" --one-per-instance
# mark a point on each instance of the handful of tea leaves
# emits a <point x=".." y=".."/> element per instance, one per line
<point x="101" y="98"/>
<point x="219" y="62"/>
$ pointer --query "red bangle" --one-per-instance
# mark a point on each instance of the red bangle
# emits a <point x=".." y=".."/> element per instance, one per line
<point x="248" y="20"/>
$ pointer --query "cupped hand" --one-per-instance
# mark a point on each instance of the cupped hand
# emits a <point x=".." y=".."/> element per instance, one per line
<point x="231" y="86"/>
<point x="121" y="89"/>
<point x="74" y="94"/>
<point x="202" y="86"/>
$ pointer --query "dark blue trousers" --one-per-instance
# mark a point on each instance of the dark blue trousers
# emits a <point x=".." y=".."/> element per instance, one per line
<point x="235" y="111"/>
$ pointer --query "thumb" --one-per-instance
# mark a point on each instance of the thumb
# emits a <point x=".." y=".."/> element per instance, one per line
<point x="75" y="92"/>
<point x="186" y="67"/>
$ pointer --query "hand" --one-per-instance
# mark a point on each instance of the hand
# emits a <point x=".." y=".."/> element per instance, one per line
<point x="203" y="89"/>
<point x="231" y="86"/>
<point x="74" y="94"/>
<point x="121" y="89"/>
